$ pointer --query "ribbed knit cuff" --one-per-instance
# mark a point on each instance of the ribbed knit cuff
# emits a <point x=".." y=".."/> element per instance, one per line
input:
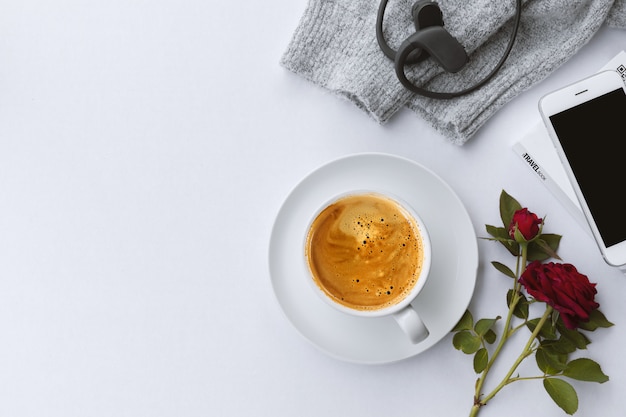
<point x="336" y="49"/>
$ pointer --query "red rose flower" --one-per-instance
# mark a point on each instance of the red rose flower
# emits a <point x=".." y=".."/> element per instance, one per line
<point x="526" y="222"/>
<point x="562" y="287"/>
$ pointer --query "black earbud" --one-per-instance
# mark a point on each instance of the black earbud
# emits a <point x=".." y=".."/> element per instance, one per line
<point x="438" y="44"/>
<point x="432" y="40"/>
<point x="425" y="14"/>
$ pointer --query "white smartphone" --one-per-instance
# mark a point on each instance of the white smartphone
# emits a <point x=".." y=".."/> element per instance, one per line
<point x="587" y="124"/>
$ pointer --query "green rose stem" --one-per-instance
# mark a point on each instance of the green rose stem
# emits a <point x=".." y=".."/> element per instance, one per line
<point x="508" y="332"/>
<point x="527" y="351"/>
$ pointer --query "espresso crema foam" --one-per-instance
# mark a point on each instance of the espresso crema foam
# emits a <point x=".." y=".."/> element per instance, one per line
<point x="365" y="251"/>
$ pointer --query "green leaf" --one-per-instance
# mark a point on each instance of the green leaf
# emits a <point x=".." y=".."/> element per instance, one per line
<point x="550" y="362"/>
<point x="585" y="369"/>
<point x="544" y="247"/>
<point x="501" y="235"/>
<point x="465" y="323"/>
<point x="596" y="319"/>
<point x="552" y="240"/>
<point x="508" y="206"/>
<point x="521" y="309"/>
<point x="542" y="363"/>
<point x="547" y="331"/>
<point x="560" y="346"/>
<point x="490" y="336"/>
<point x="577" y="338"/>
<point x="483" y="325"/>
<point x="466" y="342"/>
<point x="562" y="393"/>
<point x="504" y="269"/>
<point x="513" y="247"/>
<point x="600" y="319"/>
<point x="481" y="358"/>
<point x="554" y="318"/>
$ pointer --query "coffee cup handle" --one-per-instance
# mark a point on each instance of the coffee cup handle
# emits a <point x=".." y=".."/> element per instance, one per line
<point x="412" y="324"/>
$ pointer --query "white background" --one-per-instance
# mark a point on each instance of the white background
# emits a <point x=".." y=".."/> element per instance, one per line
<point x="145" y="150"/>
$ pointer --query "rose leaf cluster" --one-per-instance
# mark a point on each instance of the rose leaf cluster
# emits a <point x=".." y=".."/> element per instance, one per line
<point x="570" y="310"/>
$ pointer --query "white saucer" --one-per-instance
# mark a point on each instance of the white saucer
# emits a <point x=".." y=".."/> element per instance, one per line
<point x="441" y="303"/>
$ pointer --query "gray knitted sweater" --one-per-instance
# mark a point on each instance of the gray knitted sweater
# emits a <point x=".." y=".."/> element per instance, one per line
<point x="335" y="47"/>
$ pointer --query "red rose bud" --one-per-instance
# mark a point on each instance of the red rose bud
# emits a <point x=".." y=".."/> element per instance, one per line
<point x="562" y="287"/>
<point x="526" y="222"/>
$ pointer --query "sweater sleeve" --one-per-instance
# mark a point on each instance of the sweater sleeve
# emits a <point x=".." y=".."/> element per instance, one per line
<point x="617" y="15"/>
<point x="552" y="31"/>
<point x="335" y="47"/>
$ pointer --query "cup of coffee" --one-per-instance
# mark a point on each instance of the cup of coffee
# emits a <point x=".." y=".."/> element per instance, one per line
<point x="369" y="255"/>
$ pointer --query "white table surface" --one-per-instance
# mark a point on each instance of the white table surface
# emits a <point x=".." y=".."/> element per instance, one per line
<point x="146" y="148"/>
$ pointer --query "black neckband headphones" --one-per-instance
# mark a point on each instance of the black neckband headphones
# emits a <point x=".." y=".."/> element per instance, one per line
<point x="432" y="40"/>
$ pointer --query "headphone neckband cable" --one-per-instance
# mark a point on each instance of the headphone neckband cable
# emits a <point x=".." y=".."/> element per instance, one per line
<point x="401" y="60"/>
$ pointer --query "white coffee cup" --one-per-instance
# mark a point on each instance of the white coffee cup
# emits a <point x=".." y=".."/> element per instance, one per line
<point x="366" y="265"/>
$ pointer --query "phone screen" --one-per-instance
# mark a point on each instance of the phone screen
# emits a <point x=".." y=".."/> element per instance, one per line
<point x="593" y="137"/>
